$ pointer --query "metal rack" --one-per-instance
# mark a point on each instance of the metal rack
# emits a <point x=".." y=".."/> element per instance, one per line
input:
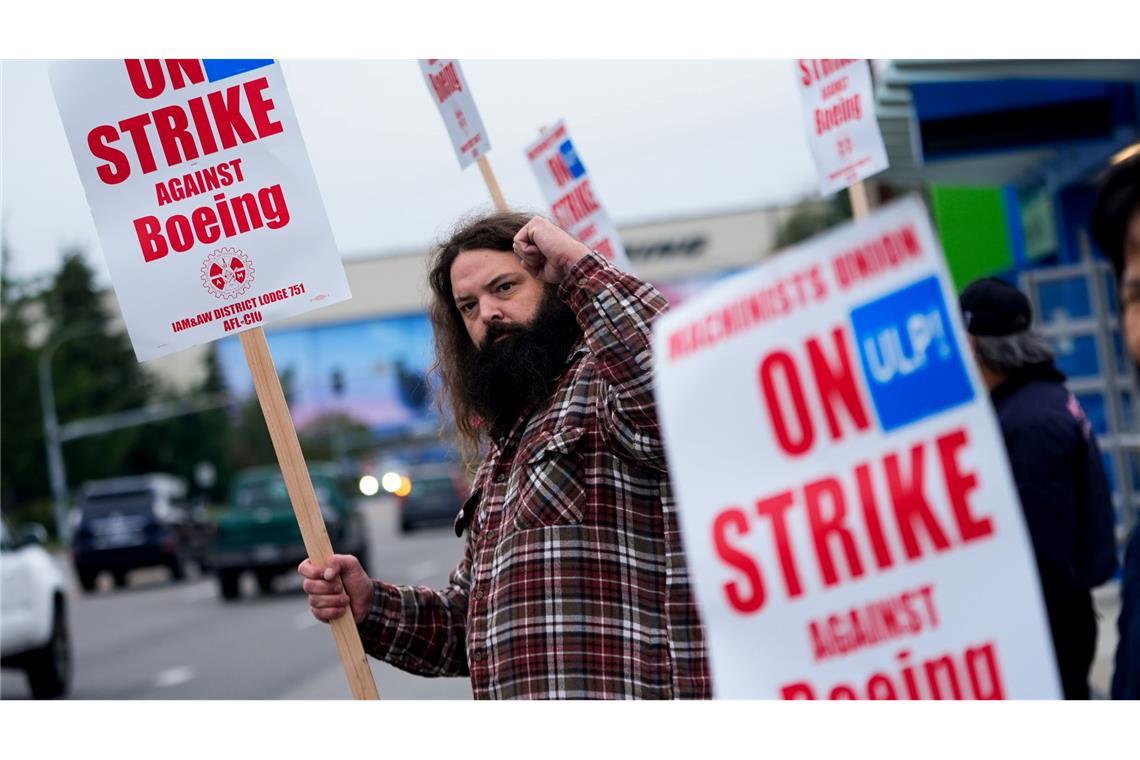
<point x="1073" y="304"/>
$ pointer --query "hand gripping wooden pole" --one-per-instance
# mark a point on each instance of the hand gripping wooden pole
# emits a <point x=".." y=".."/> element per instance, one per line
<point x="492" y="184"/>
<point x="305" y="506"/>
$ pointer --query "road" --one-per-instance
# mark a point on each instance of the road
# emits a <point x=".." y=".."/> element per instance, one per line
<point x="159" y="640"/>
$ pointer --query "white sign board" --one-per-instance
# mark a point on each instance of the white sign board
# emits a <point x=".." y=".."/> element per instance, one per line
<point x="573" y="201"/>
<point x="845" y="500"/>
<point x="839" y="114"/>
<point x="203" y="197"/>
<point x="457" y="107"/>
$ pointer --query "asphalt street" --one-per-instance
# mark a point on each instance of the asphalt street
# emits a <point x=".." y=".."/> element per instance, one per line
<point x="162" y="640"/>
<point x="159" y="640"/>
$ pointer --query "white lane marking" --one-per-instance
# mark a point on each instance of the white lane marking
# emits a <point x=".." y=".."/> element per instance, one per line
<point x="173" y="677"/>
<point x="423" y="570"/>
<point x="304" y="620"/>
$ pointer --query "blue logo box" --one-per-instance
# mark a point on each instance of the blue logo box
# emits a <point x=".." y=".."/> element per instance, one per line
<point x="570" y="156"/>
<point x="223" y="68"/>
<point x="909" y="356"/>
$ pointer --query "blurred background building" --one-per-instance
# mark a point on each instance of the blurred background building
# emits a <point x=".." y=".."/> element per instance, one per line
<point x="1008" y="154"/>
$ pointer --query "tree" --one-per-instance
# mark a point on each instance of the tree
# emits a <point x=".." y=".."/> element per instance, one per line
<point x="250" y="445"/>
<point x="94" y="374"/>
<point x="23" y="469"/>
<point x="810" y="220"/>
<point x="179" y="444"/>
<point x="331" y="434"/>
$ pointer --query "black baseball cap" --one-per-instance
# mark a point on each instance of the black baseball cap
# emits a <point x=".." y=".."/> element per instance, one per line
<point x="993" y="307"/>
<point x="1117" y="197"/>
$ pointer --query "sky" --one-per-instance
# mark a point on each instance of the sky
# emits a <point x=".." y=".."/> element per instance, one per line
<point x="660" y="138"/>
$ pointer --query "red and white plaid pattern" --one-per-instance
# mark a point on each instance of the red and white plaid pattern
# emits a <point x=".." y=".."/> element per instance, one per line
<point x="573" y="582"/>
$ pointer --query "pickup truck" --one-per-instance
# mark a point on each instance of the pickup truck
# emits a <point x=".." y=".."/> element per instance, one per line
<point x="258" y="532"/>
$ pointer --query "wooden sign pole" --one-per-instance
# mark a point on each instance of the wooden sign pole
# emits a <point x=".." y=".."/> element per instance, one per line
<point x="305" y="506"/>
<point x="492" y="184"/>
<point x="860" y="202"/>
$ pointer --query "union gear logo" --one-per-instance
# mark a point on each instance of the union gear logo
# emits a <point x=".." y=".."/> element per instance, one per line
<point x="227" y="273"/>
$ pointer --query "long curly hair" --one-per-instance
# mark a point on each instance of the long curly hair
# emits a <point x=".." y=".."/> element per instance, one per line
<point x="453" y="346"/>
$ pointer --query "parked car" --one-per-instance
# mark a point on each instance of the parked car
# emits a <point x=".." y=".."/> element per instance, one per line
<point x="437" y="494"/>
<point x="34" y="630"/>
<point x="258" y="530"/>
<point x="134" y="522"/>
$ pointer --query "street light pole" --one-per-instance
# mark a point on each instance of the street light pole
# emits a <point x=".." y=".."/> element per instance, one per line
<point x="56" y="470"/>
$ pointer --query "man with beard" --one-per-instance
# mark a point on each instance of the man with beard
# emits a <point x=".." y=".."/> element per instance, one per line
<point x="573" y="583"/>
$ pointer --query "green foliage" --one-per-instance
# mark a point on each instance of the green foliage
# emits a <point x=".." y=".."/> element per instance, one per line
<point x="250" y="445"/>
<point x="94" y="371"/>
<point x="23" y="469"/>
<point x="810" y="220"/>
<point x="331" y="436"/>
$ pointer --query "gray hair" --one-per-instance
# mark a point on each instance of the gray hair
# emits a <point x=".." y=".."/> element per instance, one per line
<point x="1006" y="354"/>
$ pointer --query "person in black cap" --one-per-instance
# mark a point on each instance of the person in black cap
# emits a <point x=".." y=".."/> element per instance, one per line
<point x="1056" y="466"/>
<point x="1115" y="227"/>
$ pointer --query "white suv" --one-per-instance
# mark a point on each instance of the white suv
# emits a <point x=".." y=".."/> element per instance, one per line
<point x="33" y="613"/>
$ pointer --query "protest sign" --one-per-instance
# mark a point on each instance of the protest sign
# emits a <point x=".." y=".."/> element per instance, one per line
<point x="573" y="201"/>
<point x="206" y="206"/>
<point x="839" y="113"/>
<point x="212" y="223"/>
<point x="846" y="505"/>
<point x="457" y="107"/>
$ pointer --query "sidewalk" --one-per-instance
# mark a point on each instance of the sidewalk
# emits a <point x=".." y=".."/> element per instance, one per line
<point x="391" y="683"/>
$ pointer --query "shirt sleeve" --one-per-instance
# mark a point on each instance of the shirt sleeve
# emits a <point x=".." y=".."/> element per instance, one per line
<point x="1097" y="518"/>
<point x="616" y="311"/>
<point x="418" y="629"/>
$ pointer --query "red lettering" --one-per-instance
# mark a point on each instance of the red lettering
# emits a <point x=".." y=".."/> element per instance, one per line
<point x="559" y="170"/>
<point x="797" y="691"/>
<point x="136" y="126"/>
<point x="880" y="687"/>
<point x="871" y="517"/>
<point x="206" y="224"/>
<point x="445" y="82"/>
<point x="118" y="167"/>
<point x="151" y="241"/>
<point x="260" y="106"/>
<point x="822" y="528"/>
<point x="782" y="361"/>
<point x="776" y="508"/>
<point x="838" y="381"/>
<point x="751" y="600"/>
<point x="225" y="105"/>
<point x="944" y="676"/>
<point x="945" y="666"/>
<point x="202" y="126"/>
<point x="910" y="502"/>
<point x="959" y="485"/>
<point x="180" y="233"/>
<point x="174" y="137"/>
<point x="994" y="686"/>
<point x="146" y="77"/>
<point x="185" y="71"/>
<point x="575" y="206"/>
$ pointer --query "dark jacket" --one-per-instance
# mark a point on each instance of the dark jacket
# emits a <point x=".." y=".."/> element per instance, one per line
<point x="1068" y="508"/>
<point x="1126" y="677"/>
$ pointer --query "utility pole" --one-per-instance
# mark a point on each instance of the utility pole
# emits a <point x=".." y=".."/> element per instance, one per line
<point x="56" y="469"/>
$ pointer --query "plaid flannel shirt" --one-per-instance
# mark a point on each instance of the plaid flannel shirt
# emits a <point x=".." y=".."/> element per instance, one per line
<point x="573" y="582"/>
